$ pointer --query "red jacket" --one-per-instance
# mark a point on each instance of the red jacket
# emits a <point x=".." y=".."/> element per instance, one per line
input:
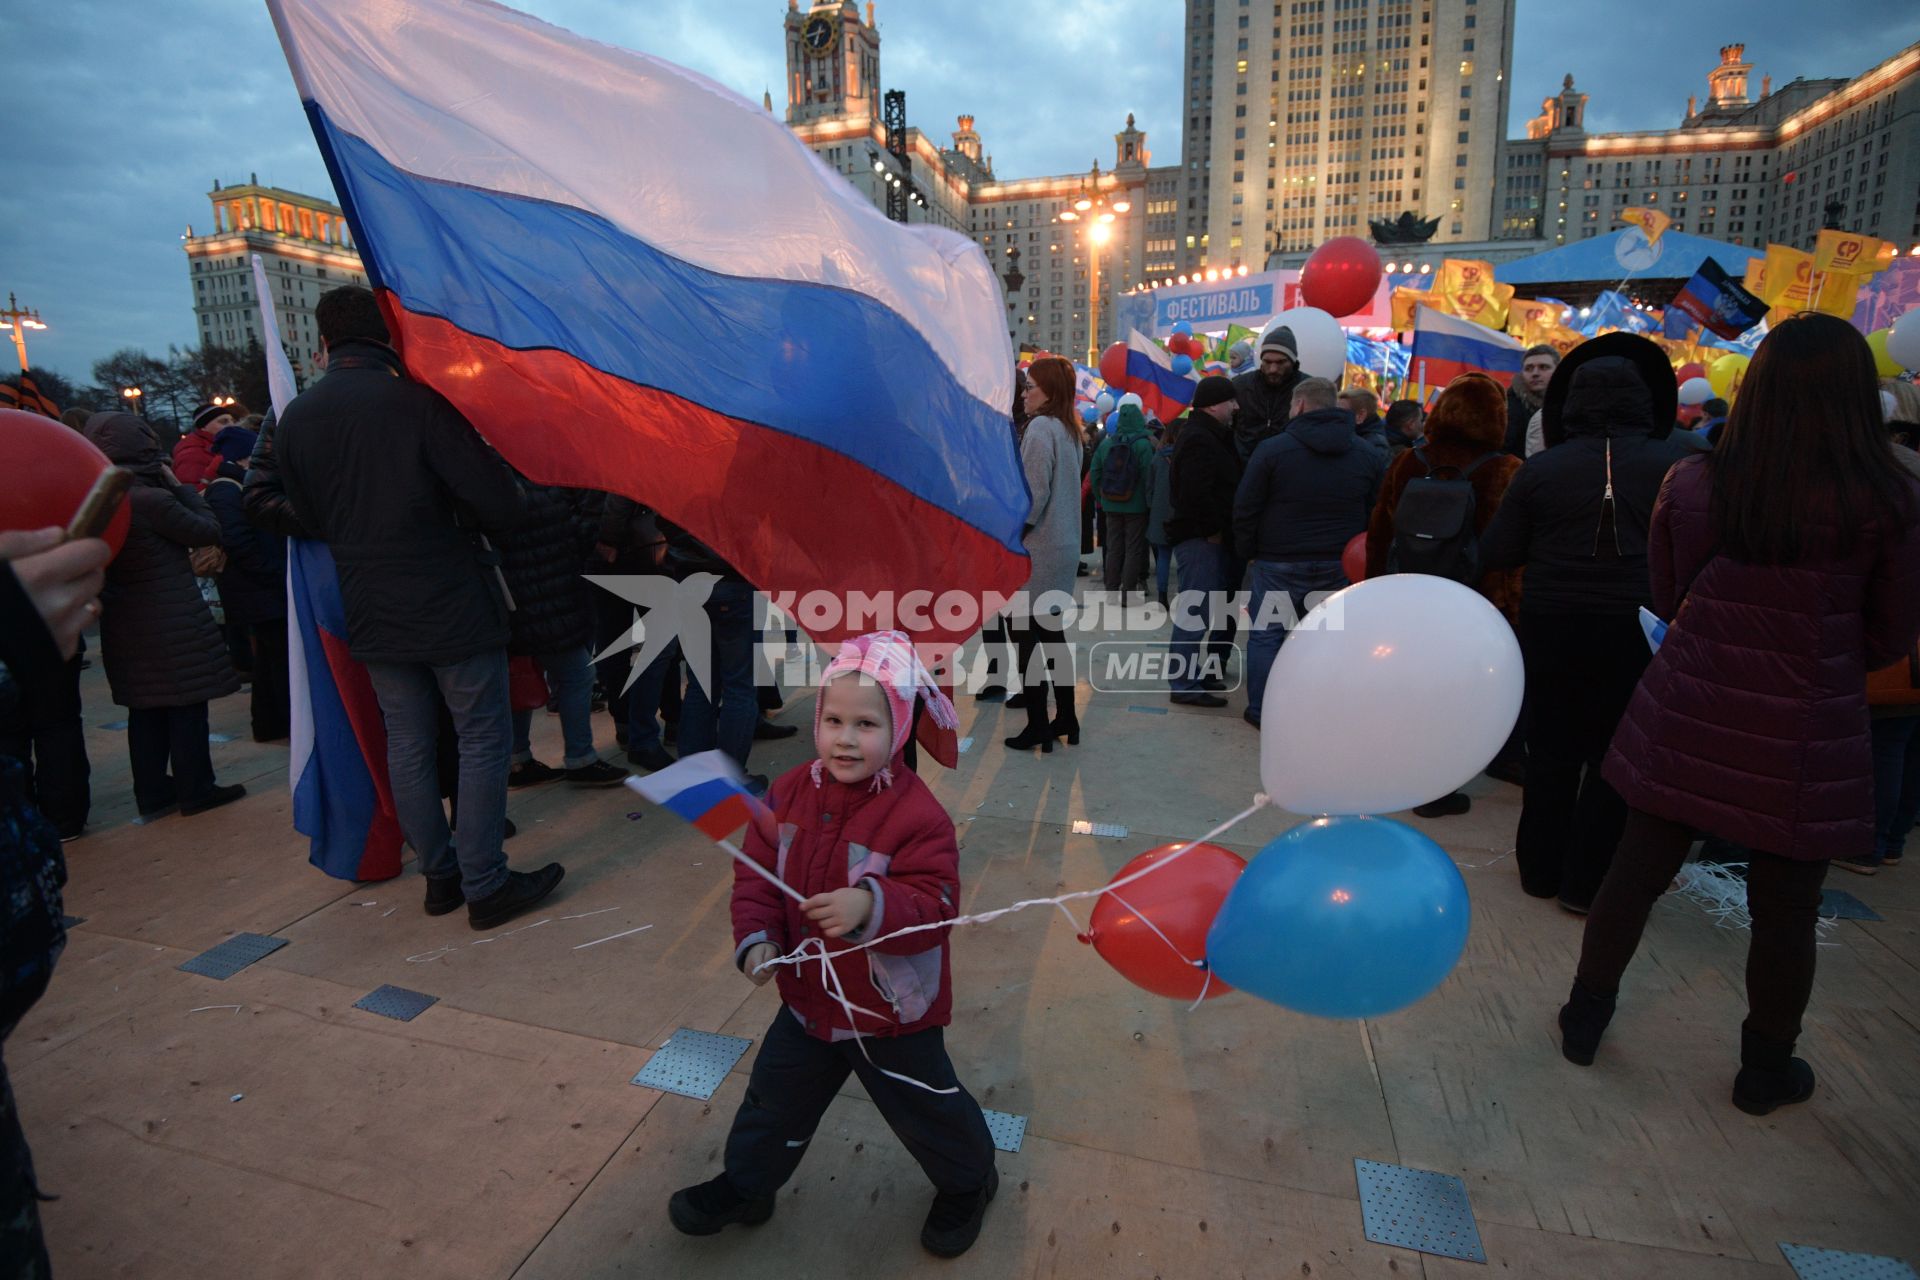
<point x="194" y="460"/>
<point x="1751" y="722"/>
<point x="897" y="842"/>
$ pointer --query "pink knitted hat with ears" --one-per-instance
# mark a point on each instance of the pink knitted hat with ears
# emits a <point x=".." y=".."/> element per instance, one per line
<point x="888" y="659"/>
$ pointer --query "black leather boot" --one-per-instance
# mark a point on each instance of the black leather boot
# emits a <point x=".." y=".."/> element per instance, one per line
<point x="1583" y="1020"/>
<point x="1770" y="1076"/>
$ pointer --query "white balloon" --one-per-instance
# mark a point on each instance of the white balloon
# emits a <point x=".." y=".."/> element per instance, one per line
<point x="1696" y="391"/>
<point x="1103" y="404"/>
<point x="1317" y="336"/>
<point x="1388" y="694"/>
<point x="1903" y="342"/>
<point x="1132" y="398"/>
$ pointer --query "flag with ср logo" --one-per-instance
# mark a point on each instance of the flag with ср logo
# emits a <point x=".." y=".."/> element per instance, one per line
<point x="552" y="225"/>
<point x="1651" y="221"/>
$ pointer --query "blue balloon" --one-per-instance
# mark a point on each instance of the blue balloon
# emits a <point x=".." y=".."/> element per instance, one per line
<point x="1346" y="917"/>
<point x="1183" y="365"/>
<point x="1113" y="421"/>
<point x="1184" y="329"/>
<point x="1088" y="414"/>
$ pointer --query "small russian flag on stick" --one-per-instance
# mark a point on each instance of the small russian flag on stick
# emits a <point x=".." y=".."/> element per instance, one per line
<point x="707" y="790"/>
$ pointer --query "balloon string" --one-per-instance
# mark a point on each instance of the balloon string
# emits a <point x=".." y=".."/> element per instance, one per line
<point x="816" y="948"/>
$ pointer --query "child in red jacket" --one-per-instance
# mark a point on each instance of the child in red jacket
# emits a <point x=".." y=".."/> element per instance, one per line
<point x="875" y="853"/>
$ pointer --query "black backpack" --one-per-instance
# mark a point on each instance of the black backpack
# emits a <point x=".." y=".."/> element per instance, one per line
<point x="1433" y="527"/>
<point x="1119" y="472"/>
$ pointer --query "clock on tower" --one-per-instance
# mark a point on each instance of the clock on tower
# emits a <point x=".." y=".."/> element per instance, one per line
<point x="819" y="34"/>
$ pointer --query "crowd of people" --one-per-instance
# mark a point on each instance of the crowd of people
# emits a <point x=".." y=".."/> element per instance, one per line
<point x="1779" y="718"/>
<point x="1779" y="721"/>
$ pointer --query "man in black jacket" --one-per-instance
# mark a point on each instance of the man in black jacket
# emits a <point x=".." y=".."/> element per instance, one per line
<point x="1526" y="393"/>
<point x="1204" y="472"/>
<point x="1307" y="493"/>
<point x="399" y="485"/>
<point x="1264" y="394"/>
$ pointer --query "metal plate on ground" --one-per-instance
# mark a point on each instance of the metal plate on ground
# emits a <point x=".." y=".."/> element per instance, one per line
<point x="1838" y="904"/>
<point x="1149" y="711"/>
<point x="692" y="1063"/>
<point x="1810" y="1263"/>
<point x="397" y="1003"/>
<point x="1416" y="1209"/>
<point x="1113" y="831"/>
<point x="1008" y="1130"/>
<point x="233" y="955"/>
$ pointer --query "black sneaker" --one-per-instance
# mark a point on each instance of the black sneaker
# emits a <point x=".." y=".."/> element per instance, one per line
<point x="1198" y="700"/>
<point x="1214" y="684"/>
<point x="651" y="758"/>
<point x="702" y="1210"/>
<point x="522" y="890"/>
<point x="991" y="693"/>
<point x="443" y="895"/>
<point x="1451" y="806"/>
<point x="597" y="774"/>
<point x="215" y="798"/>
<point x="1760" y="1092"/>
<point x="530" y="773"/>
<point x="757" y="785"/>
<point x="767" y="731"/>
<point x="953" y="1224"/>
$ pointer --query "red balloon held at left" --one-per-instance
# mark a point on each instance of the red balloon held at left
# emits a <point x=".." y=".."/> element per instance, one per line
<point x="1154" y="929"/>
<point x="54" y="468"/>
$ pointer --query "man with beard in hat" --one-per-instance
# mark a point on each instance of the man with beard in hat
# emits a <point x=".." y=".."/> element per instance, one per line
<point x="1265" y="393"/>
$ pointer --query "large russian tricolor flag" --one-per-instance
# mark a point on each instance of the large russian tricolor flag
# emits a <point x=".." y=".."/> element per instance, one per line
<point x="563" y="234"/>
<point x="1444" y="347"/>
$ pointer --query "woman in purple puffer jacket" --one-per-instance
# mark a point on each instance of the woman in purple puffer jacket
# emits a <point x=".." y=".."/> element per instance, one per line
<point x="1789" y="563"/>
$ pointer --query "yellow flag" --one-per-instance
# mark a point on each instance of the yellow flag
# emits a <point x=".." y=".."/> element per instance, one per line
<point x="1463" y="275"/>
<point x="1527" y="318"/>
<point x="1789" y="278"/>
<point x="1839" y="293"/>
<point x="1562" y="339"/>
<point x="1468" y="286"/>
<point x="1651" y="221"/>
<point x="1755" y="281"/>
<point x="1845" y="251"/>
<point x="1405" y="300"/>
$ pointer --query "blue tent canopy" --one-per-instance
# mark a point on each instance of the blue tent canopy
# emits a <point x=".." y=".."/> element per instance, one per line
<point x="1680" y="256"/>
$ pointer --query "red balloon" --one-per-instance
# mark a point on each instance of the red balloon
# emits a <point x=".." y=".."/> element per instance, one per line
<point x="1181" y="903"/>
<point x="1178" y="344"/>
<point x="1354" y="558"/>
<point x="1113" y="369"/>
<point x="1341" y="277"/>
<point x="1691" y="369"/>
<point x="53" y="468"/>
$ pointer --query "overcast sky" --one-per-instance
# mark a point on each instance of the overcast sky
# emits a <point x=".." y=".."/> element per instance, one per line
<point x="122" y="113"/>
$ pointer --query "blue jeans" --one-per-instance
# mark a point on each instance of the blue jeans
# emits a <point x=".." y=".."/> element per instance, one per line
<point x="1896" y="783"/>
<point x="644" y="698"/>
<point x="570" y="684"/>
<point x="475" y="691"/>
<point x="730" y="724"/>
<point x="1297" y="578"/>
<point x="1203" y="571"/>
<point x="1162" y="565"/>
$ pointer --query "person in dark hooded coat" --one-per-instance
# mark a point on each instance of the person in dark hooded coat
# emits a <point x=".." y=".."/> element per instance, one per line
<point x="1585" y="557"/>
<point x="164" y="656"/>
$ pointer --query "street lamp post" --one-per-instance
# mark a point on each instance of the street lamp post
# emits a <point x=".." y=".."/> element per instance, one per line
<point x="17" y="319"/>
<point x="1014" y="279"/>
<point x="133" y="396"/>
<point x="1092" y="205"/>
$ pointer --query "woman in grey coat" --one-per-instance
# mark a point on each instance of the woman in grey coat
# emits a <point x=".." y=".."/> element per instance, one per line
<point x="1050" y="452"/>
<point x="164" y="656"/>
